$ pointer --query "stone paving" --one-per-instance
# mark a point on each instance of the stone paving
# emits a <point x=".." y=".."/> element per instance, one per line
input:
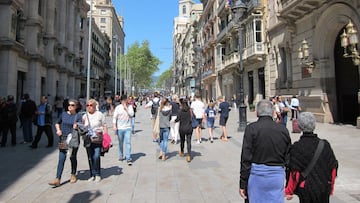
<point x="211" y="176"/>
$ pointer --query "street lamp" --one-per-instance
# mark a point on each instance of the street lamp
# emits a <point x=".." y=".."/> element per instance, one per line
<point x="116" y="56"/>
<point x="89" y="56"/>
<point x="349" y="42"/>
<point x="303" y="55"/>
<point x="239" y="9"/>
<point x="198" y="51"/>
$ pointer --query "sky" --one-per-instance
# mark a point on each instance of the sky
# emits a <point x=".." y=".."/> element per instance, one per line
<point x="150" y="20"/>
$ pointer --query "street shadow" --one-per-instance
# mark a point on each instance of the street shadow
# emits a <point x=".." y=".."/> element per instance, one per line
<point x="136" y="156"/>
<point x="86" y="196"/>
<point x="195" y="154"/>
<point x="169" y="155"/>
<point x="137" y="131"/>
<point x="105" y="173"/>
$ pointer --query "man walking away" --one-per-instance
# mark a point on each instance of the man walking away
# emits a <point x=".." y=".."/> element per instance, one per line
<point x="27" y="113"/>
<point x="224" y="108"/>
<point x="9" y="120"/>
<point x="265" y="146"/>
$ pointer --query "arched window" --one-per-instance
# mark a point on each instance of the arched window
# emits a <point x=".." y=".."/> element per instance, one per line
<point x="184" y="9"/>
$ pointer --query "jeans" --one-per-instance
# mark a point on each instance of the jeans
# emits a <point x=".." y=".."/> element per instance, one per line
<point x="93" y="153"/>
<point x="61" y="162"/>
<point x="133" y="124"/>
<point x="27" y="129"/>
<point x="124" y="135"/>
<point x="164" y="136"/>
<point x="284" y="118"/>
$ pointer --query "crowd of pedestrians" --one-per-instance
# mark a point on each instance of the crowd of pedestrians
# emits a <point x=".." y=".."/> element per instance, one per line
<point x="268" y="156"/>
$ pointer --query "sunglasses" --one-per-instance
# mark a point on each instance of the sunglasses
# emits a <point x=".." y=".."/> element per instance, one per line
<point x="89" y="105"/>
<point x="72" y="105"/>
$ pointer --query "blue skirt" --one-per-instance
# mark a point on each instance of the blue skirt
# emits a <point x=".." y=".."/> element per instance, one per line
<point x="266" y="184"/>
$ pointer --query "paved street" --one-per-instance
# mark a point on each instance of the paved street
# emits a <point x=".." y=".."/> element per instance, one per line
<point x="212" y="176"/>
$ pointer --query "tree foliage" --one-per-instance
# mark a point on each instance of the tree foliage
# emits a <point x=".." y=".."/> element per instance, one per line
<point x="164" y="77"/>
<point x="142" y="63"/>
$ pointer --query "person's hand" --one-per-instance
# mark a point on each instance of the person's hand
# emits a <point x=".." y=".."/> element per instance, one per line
<point x="114" y="128"/>
<point x="59" y="132"/>
<point x="289" y="197"/>
<point x="243" y="193"/>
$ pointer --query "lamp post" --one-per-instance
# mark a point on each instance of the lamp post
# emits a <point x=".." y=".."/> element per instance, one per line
<point x="89" y="56"/>
<point x="238" y="9"/>
<point x="198" y="51"/>
<point x="116" y="56"/>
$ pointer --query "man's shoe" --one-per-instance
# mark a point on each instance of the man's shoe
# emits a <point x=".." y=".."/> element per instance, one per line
<point x="73" y="178"/>
<point x="33" y="147"/>
<point x="55" y="183"/>
<point x="129" y="162"/>
<point x="92" y="178"/>
<point x="97" y="179"/>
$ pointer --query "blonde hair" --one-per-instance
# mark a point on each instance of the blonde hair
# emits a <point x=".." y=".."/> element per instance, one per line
<point x="92" y="101"/>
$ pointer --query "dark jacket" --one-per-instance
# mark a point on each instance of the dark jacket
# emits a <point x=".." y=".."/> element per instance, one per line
<point x="28" y="109"/>
<point x="319" y="183"/>
<point x="184" y="116"/>
<point x="265" y="142"/>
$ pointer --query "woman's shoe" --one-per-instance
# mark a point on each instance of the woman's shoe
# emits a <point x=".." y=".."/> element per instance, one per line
<point x="160" y="155"/>
<point x="188" y="158"/>
<point x="181" y="154"/>
<point x="163" y="157"/>
<point x="73" y="178"/>
<point x="55" y="183"/>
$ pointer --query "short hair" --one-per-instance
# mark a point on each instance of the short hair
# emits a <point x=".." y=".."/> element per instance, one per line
<point x="307" y="121"/>
<point x="123" y="97"/>
<point x="264" y="108"/>
<point x="92" y="101"/>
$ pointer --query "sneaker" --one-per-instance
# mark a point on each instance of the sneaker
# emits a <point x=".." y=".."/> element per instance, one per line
<point x="198" y="142"/>
<point x="121" y="159"/>
<point x="211" y="140"/>
<point x="92" y="178"/>
<point x="97" y="179"/>
<point x="129" y="162"/>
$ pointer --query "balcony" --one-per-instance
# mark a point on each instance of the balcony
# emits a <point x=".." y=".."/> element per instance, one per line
<point x="225" y="33"/>
<point x="209" y="75"/>
<point x="295" y="9"/>
<point x="254" y="52"/>
<point x="230" y="60"/>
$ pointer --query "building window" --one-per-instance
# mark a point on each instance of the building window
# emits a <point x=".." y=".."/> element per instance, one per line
<point x="184" y="9"/>
<point x="40" y="8"/>
<point x="81" y="23"/>
<point x="258" y="30"/>
<point x="283" y="67"/>
<point x="102" y="20"/>
<point x="81" y="43"/>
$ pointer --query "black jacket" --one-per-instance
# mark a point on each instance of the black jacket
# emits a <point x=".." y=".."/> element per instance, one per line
<point x="265" y="142"/>
<point x="184" y="116"/>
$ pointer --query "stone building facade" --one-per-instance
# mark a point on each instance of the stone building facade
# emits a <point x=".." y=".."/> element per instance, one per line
<point x="42" y="48"/>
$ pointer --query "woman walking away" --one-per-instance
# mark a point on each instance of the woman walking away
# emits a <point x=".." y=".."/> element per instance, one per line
<point x="164" y="122"/>
<point x="185" y="129"/>
<point x="64" y="126"/>
<point x="313" y="165"/>
<point x="96" y="121"/>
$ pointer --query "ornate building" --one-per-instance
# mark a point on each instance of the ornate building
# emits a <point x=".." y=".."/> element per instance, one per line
<point x="42" y="47"/>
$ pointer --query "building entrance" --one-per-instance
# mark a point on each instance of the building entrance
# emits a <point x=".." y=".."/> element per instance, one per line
<point x="347" y="86"/>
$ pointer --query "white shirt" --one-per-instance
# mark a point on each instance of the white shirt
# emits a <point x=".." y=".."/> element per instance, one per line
<point x="294" y="102"/>
<point x="198" y="108"/>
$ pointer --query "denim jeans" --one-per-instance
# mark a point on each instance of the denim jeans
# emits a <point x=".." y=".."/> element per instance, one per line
<point x="124" y="135"/>
<point x="284" y="119"/>
<point x="133" y="124"/>
<point x="164" y="136"/>
<point x="61" y="162"/>
<point x="93" y="153"/>
<point x="27" y="129"/>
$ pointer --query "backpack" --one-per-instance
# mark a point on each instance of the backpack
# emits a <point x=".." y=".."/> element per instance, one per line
<point x="155" y="106"/>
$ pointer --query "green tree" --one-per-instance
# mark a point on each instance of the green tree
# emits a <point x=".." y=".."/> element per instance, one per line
<point x="165" y="78"/>
<point x="142" y="63"/>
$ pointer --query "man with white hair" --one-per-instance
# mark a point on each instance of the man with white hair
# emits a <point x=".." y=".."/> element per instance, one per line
<point x="264" y="150"/>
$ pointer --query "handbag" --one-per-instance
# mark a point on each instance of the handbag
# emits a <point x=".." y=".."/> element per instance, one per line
<point x="73" y="137"/>
<point x="62" y="143"/>
<point x="194" y="121"/>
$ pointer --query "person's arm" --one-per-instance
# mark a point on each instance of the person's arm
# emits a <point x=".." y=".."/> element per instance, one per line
<point x="130" y="110"/>
<point x="114" y="120"/>
<point x="246" y="157"/>
<point x="333" y="176"/>
<point x="292" y="184"/>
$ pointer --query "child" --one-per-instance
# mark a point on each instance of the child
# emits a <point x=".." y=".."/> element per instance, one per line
<point x="210" y="114"/>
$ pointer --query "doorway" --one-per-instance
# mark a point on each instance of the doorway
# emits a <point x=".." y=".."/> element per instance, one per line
<point x="347" y="86"/>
